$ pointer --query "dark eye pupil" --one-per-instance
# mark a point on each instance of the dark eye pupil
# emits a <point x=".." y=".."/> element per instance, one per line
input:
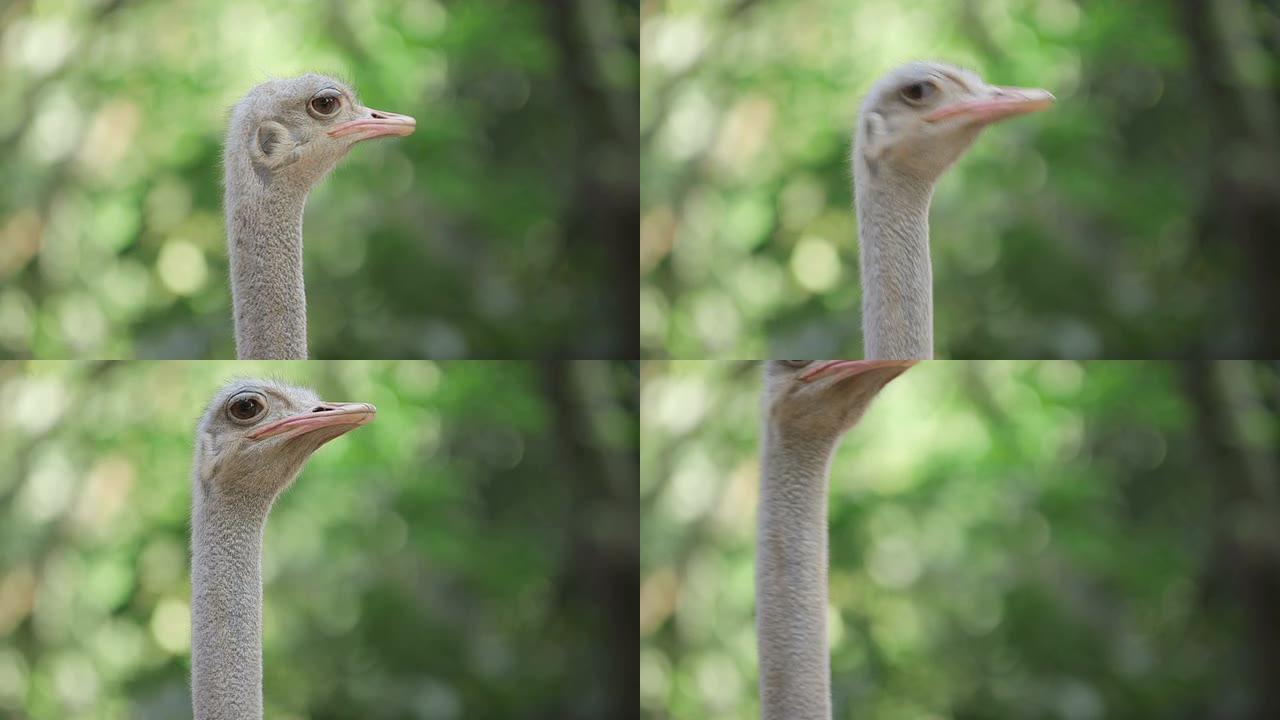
<point x="915" y="91"/>
<point x="245" y="409"/>
<point x="324" y="105"/>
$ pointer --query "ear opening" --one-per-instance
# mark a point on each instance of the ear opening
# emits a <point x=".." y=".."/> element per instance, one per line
<point x="875" y="135"/>
<point x="207" y="466"/>
<point x="273" y="147"/>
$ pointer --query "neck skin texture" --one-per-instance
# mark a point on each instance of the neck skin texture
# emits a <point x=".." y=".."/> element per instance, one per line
<point x="264" y="238"/>
<point x="791" y="578"/>
<point x="226" y="606"/>
<point x="897" y="279"/>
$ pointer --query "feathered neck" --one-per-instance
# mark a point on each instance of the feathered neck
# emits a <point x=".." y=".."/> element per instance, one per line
<point x="264" y="242"/>
<point x="897" y="278"/>
<point x="791" y="578"/>
<point x="226" y="606"/>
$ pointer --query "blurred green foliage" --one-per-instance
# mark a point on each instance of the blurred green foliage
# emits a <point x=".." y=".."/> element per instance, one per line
<point x="496" y="230"/>
<point x="1008" y="540"/>
<point x="470" y="553"/>
<point x="1136" y="218"/>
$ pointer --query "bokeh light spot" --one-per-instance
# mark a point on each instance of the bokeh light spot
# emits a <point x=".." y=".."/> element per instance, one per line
<point x="182" y="267"/>
<point x="815" y="264"/>
<point x="171" y="626"/>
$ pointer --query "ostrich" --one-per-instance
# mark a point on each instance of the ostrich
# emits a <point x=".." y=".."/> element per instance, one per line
<point x="808" y="405"/>
<point x="914" y="123"/>
<point x="284" y="137"/>
<point x="251" y="443"/>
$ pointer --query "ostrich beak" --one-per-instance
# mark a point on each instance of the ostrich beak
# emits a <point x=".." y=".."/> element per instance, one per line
<point x="997" y="104"/>
<point x="375" y="123"/>
<point x="342" y="416"/>
<point x="849" y="368"/>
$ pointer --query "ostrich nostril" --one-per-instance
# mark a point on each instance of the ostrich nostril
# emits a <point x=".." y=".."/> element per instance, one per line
<point x="376" y="114"/>
<point x="321" y="408"/>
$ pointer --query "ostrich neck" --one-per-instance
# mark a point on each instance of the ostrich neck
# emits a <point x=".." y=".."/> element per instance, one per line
<point x="264" y="237"/>
<point x="226" y="606"/>
<point x="791" y="578"/>
<point x="897" y="280"/>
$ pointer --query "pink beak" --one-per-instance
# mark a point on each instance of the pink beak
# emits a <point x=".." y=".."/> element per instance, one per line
<point x="849" y="368"/>
<point x="347" y="416"/>
<point x="998" y="104"/>
<point x="375" y="123"/>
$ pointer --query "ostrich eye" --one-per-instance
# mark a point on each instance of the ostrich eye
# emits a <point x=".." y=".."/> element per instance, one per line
<point x="325" y="104"/>
<point x="918" y="92"/>
<point x="796" y="363"/>
<point x="245" y="407"/>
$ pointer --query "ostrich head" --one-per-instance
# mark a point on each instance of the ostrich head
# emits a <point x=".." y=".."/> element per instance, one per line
<point x="823" y="398"/>
<point x="296" y="130"/>
<point x="256" y="434"/>
<point x="920" y="117"/>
